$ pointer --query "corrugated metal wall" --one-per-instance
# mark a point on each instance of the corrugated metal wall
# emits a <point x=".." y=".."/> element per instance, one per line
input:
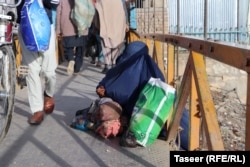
<point x="225" y="20"/>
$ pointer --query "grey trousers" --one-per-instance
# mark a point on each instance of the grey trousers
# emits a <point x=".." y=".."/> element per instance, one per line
<point x="40" y="64"/>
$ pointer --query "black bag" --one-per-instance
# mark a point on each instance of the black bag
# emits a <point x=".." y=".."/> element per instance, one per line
<point x="92" y="47"/>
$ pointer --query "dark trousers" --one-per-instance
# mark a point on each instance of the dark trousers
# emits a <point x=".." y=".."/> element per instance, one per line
<point x="73" y="50"/>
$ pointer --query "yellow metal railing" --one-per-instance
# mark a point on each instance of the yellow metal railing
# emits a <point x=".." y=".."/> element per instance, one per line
<point x="194" y="84"/>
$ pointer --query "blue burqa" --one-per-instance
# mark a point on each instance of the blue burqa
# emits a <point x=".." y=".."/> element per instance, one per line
<point x="133" y="69"/>
<point x="124" y="82"/>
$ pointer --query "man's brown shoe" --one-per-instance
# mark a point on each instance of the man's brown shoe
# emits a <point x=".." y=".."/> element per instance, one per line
<point x="49" y="104"/>
<point x="36" y="118"/>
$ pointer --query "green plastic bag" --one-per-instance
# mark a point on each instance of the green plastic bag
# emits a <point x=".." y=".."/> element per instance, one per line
<point x="151" y="111"/>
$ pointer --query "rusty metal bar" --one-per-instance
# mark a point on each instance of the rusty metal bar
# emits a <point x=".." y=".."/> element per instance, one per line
<point x="235" y="55"/>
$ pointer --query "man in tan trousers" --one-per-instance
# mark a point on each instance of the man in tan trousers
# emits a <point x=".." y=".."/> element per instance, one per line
<point x="113" y="25"/>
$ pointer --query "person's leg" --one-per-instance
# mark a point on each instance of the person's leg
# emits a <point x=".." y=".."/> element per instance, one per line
<point x="100" y="60"/>
<point x="116" y="52"/>
<point x="69" y="53"/>
<point x="100" y="55"/>
<point x="35" y="94"/>
<point x="107" y="58"/>
<point x="81" y="45"/>
<point x="78" y="59"/>
<point x="49" y="66"/>
<point x="91" y="47"/>
<point x="34" y="61"/>
<point x="92" y="60"/>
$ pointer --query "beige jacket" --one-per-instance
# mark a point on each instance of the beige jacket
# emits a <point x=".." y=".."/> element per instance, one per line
<point x="112" y="22"/>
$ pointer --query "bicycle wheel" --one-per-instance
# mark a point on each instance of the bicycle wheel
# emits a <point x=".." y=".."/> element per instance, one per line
<point x="7" y="88"/>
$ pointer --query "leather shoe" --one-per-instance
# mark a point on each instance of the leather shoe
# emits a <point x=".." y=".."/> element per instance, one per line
<point x="36" y="118"/>
<point x="49" y="104"/>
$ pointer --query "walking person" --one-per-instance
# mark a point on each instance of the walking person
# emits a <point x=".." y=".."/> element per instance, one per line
<point x="73" y="44"/>
<point x="94" y="32"/>
<point x="113" y="28"/>
<point x="40" y="64"/>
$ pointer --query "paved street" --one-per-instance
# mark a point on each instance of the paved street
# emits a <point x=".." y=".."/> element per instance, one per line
<point x="55" y="144"/>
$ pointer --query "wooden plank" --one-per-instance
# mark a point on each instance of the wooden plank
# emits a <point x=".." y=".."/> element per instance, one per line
<point x="181" y="100"/>
<point x="149" y="43"/>
<point x="57" y="51"/>
<point x="170" y="74"/>
<point x="194" y="126"/>
<point x="206" y="104"/>
<point x="18" y="52"/>
<point x="170" y="65"/>
<point x="158" y="56"/>
<point x="60" y="50"/>
<point x="18" y="55"/>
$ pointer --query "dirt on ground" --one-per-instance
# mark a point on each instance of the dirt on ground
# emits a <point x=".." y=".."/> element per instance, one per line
<point x="231" y="114"/>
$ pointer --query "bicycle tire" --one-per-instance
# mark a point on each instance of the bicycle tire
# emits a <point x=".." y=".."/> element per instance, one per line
<point x="7" y="88"/>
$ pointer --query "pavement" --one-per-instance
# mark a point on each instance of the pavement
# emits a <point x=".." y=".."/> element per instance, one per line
<point x="55" y="144"/>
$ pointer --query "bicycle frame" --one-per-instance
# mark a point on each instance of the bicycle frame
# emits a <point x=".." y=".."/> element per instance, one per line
<point x="7" y="64"/>
<point x="6" y="20"/>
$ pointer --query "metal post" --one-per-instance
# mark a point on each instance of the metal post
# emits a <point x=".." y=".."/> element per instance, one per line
<point x="178" y="16"/>
<point x="177" y="48"/>
<point x="163" y="15"/>
<point x="205" y="19"/>
<point x="238" y="23"/>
